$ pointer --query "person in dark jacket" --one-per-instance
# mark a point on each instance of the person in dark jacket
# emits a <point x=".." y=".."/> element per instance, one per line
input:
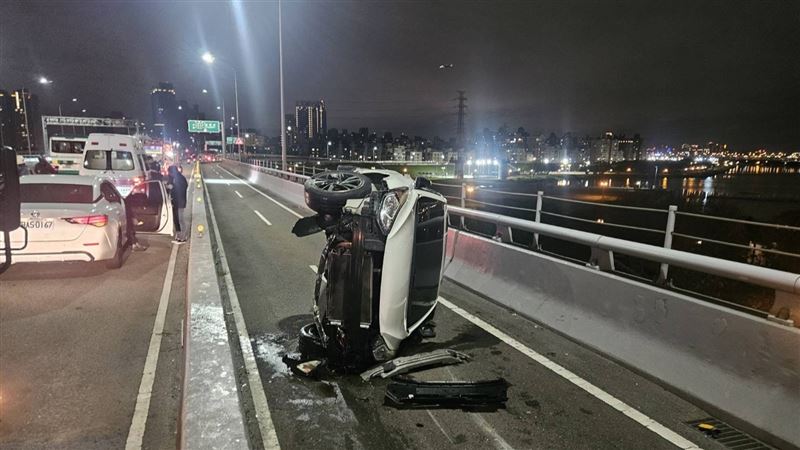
<point x="178" y="193"/>
<point x="43" y="167"/>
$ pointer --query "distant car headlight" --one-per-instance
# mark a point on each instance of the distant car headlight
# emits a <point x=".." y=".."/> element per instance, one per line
<point x="390" y="205"/>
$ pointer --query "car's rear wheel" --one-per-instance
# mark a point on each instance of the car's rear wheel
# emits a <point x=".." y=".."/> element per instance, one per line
<point x="309" y="342"/>
<point x="328" y="192"/>
<point x="119" y="254"/>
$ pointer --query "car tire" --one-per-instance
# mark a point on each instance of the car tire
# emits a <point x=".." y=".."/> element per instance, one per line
<point x="309" y="343"/>
<point x="119" y="254"/>
<point x="328" y="192"/>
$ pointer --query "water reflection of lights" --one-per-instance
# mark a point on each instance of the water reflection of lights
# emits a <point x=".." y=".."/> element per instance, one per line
<point x="664" y="183"/>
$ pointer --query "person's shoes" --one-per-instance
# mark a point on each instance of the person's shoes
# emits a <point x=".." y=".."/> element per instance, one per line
<point x="138" y="247"/>
<point x="179" y="241"/>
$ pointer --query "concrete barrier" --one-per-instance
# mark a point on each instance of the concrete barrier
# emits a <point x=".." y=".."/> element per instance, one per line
<point x="289" y="190"/>
<point x="743" y="368"/>
<point x="211" y="416"/>
<point x="746" y="368"/>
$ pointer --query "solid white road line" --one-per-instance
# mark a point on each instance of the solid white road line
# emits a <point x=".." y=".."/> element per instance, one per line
<point x="237" y="193"/>
<point x="247" y="183"/>
<point x="669" y="435"/>
<point x="264" y="219"/>
<point x="140" y="412"/>
<point x="269" y="437"/>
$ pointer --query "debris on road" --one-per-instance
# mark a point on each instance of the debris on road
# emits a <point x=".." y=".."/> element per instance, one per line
<point x="406" y="364"/>
<point x="308" y="369"/>
<point x="407" y="393"/>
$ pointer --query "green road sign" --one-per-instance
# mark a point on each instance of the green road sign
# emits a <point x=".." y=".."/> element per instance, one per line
<point x="203" y="126"/>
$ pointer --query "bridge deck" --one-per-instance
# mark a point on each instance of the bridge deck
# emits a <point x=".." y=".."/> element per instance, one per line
<point x="274" y="283"/>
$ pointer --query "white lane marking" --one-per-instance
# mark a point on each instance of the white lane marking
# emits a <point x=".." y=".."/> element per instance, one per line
<point x="237" y="193"/>
<point x="140" y="412"/>
<point x="669" y="435"/>
<point x="313" y="268"/>
<point x="264" y="219"/>
<point x="269" y="437"/>
<point x="440" y="427"/>
<point x="247" y="183"/>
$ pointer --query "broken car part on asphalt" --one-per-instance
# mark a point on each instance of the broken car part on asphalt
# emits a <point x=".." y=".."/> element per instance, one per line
<point x="406" y="364"/>
<point x="408" y="393"/>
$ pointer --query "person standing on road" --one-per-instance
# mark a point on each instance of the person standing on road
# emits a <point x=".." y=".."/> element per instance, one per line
<point x="178" y="194"/>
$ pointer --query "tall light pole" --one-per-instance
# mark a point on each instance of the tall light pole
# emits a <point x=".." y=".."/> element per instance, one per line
<point x="283" y="111"/>
<point x="209" y="59"/>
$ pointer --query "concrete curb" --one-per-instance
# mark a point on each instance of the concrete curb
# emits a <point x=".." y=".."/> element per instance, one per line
<point x="211" y="412"/>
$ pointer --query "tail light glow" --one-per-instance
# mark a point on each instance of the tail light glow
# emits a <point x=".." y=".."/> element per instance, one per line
<point x="97" y="220"/>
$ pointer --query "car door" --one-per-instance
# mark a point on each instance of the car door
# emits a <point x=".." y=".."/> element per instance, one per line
<point x="114" y="198"/>
<point x="151" y="207"/>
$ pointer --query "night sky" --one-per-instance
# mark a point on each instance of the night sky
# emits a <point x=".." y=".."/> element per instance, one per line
<point x="673" y="71"/>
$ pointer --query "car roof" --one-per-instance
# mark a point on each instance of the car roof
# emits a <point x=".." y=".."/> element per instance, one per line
<point x="60" y="179"/>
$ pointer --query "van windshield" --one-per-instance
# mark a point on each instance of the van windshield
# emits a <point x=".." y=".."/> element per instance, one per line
<point x="108" y="160"/>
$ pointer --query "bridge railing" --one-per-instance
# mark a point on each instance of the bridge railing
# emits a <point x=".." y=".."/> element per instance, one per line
<point x="754" y="253"/>
<point x="604" y="247"/>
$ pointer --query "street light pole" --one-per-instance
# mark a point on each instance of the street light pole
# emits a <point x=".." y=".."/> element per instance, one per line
<point x="238" y="124"/>
<point x="222" y="128"/>
<point x="280" y="63"/>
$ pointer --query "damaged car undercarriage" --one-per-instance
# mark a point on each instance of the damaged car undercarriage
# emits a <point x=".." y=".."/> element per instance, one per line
<point x="378" y="283"/>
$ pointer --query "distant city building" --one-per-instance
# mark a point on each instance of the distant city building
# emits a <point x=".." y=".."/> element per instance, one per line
<point x="311" y="119"/>
<point x="164" y="106"/>
<point x="291" y="133"/>
<point x="20" y="120"/>
<point x="6" y="116"/>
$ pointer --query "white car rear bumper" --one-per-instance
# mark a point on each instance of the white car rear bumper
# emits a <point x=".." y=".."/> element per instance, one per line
<point x="47" y="251"/>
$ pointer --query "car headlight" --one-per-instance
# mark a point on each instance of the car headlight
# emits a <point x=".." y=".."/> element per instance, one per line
<point x="390" y="205"/>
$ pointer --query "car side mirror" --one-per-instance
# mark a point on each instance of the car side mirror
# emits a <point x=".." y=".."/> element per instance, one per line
<point x="9" y="191"/>
<point x="422" y="183"/>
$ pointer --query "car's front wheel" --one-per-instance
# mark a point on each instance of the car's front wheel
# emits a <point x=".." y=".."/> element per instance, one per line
<point x="328" y="192"/>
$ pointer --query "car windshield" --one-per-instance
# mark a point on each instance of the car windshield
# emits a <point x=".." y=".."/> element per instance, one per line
<point x="108" y="160"/>
<point x="56" y="193"/>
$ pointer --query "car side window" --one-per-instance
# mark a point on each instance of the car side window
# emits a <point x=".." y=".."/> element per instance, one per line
<point x="110" y="193"/>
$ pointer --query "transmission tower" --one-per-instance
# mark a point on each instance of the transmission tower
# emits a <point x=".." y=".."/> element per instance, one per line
<point x="460" y="138"/>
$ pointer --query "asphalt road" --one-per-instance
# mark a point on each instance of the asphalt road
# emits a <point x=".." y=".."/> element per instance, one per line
<point x="274" y="284"/>
<point x="73" y="343"/>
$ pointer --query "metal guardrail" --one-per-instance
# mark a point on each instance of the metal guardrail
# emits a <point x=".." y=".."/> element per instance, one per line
<point x="668" y="231"/>
<point x="762" y="276"/>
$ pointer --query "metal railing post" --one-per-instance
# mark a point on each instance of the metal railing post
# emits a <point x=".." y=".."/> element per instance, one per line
<point x="538" y="217"/>
<point x="664" y="269"/>
<point x="463" y="202"/>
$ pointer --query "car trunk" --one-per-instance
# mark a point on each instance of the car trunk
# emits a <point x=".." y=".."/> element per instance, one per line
<point x="45" y="222"/>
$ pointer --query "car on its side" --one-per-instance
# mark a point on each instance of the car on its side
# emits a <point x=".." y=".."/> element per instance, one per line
<point x="82" y="218"/>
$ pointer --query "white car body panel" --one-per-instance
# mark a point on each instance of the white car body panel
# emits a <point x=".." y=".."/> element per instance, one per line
<point x="66" y="241"/>
<point x="398" y="255"/>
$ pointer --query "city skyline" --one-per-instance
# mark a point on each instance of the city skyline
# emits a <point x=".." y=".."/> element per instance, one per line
<point x="623" y="67"/>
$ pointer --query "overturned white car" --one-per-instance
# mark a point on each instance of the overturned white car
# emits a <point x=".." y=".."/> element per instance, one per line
<point x="379" y="273"/>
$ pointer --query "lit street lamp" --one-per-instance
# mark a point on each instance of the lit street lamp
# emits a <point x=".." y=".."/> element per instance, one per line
<point x="209" y="59"/>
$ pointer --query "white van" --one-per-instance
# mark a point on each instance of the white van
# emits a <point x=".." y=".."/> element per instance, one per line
<point x="118" y="157"/>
